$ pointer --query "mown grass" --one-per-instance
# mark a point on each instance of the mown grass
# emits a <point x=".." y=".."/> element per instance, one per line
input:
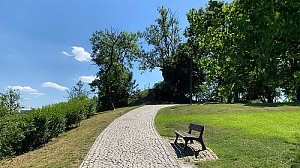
<point x="69" y="149"/>
<point x="242" y="135"/>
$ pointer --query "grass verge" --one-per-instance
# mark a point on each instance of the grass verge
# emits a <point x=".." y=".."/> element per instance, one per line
<point x="241" y="135"/>
<point x="69" y="149"/>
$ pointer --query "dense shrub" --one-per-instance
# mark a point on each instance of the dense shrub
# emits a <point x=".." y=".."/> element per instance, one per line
<point x="20" y="133"/>
<point x="74" y="113"/>
<point x="13" y="132"/>
<point x="164" y="92"/>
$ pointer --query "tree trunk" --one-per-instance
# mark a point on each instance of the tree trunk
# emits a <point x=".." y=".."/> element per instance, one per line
<point x="111" y="104"/>
<point x="298" y="93"/>
<point x="270" y="98"/>
<point x="236" y="97"/>
<point x="229" y="99"/>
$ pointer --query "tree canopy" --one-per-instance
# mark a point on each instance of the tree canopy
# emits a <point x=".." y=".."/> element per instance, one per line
<point x="9" y="102"/>
<point x="77" y="91"/>
<point x="113" y="52"/>
<point x="248" y="48"/>
<point x="234" y="52"/>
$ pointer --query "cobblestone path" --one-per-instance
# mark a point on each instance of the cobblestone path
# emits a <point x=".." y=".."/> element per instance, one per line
<point x="131" y="141"/>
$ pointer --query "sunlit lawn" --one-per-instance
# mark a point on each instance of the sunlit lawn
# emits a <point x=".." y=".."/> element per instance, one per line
<point x="242" y="135"/>
<point x="70" y="148"/>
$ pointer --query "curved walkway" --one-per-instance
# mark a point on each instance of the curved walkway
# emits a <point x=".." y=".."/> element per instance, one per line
<point x="131" y="141"/>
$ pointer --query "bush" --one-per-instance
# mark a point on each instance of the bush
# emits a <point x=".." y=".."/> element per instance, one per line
<point x="164" y="92"/>
<point x="13" y="131"/>
<point x="56" y="124"/>
<point x="77" y="110"/>
<point x="20" y="133"/>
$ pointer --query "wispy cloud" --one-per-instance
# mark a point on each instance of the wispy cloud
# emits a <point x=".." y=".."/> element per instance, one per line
<point x="80" y="54"/>
<point x="38" y="94"/>
<point x="23" y="88"/>
<point x="27" y="89"/>
<point x="54" y="86"/>
<point x="87" y="79"/>
<point x="67" y="54"/>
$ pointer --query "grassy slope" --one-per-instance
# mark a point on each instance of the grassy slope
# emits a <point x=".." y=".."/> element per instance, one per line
<point x="70" y="148"/>
<point x="241" y="135"/>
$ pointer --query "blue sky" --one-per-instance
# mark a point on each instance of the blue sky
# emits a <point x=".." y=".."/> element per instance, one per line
<point x="45" y="45"/>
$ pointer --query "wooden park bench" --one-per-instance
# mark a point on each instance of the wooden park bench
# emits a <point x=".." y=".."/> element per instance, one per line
<point x="187" y="136"/>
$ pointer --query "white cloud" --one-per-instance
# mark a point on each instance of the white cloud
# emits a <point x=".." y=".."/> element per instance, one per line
<point x="67" y="54"/>
<point x="80" y="54"/>
<point x="27" y="89"/>
<point x="23" y="88"/>
<point x="87" y="79"/>
<point x="38" y="94"/>
<point x="54" y="86"/>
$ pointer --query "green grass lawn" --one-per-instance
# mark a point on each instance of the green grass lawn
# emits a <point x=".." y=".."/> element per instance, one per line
<point x="69" y="149"/>
<point x="254" y="135"/>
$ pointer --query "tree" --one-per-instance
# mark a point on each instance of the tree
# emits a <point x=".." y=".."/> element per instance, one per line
<point x="248" y="49"/>
<point x="77" y="91"/>
<point x="113" y="52"/>
<point x="9" y="102"/>
<point x="212" y="45"/>
<point x="182" y="65"/>
<point x="164" y="39"/>
<point x="286" y="17"/>
<point x="271" y="36"/>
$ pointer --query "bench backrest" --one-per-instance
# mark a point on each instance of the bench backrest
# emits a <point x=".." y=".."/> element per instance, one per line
<point x="196" y="127"/>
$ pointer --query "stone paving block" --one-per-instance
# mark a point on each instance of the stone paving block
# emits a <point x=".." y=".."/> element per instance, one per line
<point x="131" y="141"/>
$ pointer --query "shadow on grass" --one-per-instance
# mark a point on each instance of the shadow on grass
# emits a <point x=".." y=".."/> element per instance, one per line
<point x="296" y="161"/>
<point x="272" y="104"/>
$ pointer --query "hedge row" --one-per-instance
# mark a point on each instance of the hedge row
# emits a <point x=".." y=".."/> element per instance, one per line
<point x="21" y="133"/>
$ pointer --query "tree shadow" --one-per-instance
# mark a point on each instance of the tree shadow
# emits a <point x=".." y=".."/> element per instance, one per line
<point x="262" y="105"/>
<point x="296" y="159"/>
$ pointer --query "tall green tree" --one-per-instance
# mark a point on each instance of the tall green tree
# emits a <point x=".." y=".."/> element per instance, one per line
<point x="271" y="36"/>
<point x="178" y="74"/>
<point x="210" y="39"/>
<point x="248" y="49"/>
<point x="286" y="17"/>
<point x="77" y="91"/>
<point x="9" y="102"/>
<point x="163" y="38"/>
<point x="113" y="52"/>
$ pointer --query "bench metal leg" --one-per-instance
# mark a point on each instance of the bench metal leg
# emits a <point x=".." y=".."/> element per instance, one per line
<point x="185" y="144"/>
<point x="176" y="139"/>
<point x="202" y="144"/>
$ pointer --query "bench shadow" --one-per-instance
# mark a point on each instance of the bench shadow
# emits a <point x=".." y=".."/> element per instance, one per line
<point x="181" y="153"/>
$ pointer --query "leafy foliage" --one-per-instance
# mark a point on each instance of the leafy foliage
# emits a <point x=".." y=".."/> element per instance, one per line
<point x="13" y="130"/>
<point x="243" y="49"/>
<point x="113" y="52"/>
<point x="77" y="91"/>
<point x="9" y="102"/>
<point x="172" y="57"/>
<point x="164" y="38"/>
<point x="20" y="133"/>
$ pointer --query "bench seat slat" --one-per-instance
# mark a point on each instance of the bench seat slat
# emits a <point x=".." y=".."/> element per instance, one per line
<point x="185" y="134"/>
